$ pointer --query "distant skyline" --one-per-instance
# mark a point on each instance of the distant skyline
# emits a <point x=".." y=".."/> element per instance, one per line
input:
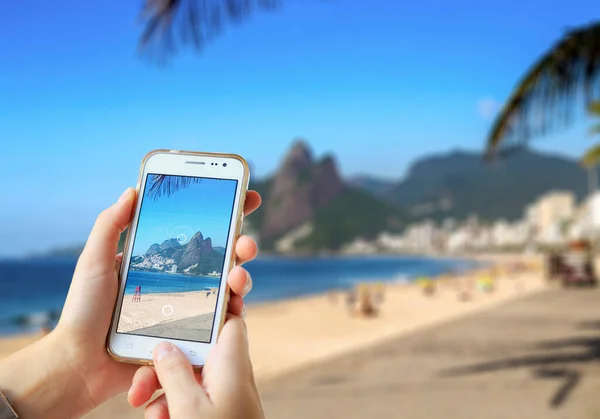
<point x="199" y="207"/>
<point x="376" y="83"/>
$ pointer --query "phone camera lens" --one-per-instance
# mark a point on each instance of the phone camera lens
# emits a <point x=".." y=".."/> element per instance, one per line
<point x="224" y="164"/>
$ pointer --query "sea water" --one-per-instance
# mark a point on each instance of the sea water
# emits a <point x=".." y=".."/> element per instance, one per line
<point x="33" y="291"/>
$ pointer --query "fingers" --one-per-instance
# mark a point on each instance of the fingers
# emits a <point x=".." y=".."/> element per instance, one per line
<point x="101" y="247"/>
<point x="177" y="378"/>
<point x="118" y="260"/>
<point x="236" y="306"/>
<point x="252" y="202"/>
<point x="145" y="383"/>
<point x="228" y="368"/>
<point x="158" y="409"/>
<point x="245" y="249"/>
<point x="239" y="281"/>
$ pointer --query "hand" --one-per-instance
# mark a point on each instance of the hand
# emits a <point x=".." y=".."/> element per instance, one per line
<point x="225" y="389"/>
<point x="70" y="372"/>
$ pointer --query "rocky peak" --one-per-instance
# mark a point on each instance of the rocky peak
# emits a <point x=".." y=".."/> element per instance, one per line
<point x="299" y="188"/>
<point x="154" y="249"/>
<point x="298" y="158"/>
<point x="326" y="175"/>
<point x="169" y="243"/>
<point x="196" y="249"/>
<point x="198" y="237"/>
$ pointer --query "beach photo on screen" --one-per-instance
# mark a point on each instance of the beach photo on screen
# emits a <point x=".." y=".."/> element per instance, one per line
<point x="178" y="258"/>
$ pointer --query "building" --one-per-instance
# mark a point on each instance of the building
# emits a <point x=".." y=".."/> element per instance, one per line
<point x="391" y="242"/>
<point x="548" y="214"/>
<point x="586" y="218"/>
<point x="359" y="246"/>
<point x="421" y="236"/>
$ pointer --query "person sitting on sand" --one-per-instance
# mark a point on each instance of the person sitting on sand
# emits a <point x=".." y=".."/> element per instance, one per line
<point x="69" y="372"/>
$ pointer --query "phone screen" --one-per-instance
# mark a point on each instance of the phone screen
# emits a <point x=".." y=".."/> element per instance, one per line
<point x="178" y="257"/>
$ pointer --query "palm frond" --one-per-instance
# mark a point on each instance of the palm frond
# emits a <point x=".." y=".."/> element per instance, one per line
<point x="545" y="98"/>
<point x="170" y="23"/>
<point x="166" y="185"/>
<point x="591" y="157"/>
<point x="594" y="108"/>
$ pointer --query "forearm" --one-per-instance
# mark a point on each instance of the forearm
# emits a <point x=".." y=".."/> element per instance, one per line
<point x="39" y="381"/>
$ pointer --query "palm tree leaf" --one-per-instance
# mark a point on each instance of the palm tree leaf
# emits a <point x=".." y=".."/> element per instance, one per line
<point x="167" y="184"/>
<point x="594" y="108"/>
<point x="169" y="23"/>
<point x="545" y="97"/>
<point x="591" y="157"/>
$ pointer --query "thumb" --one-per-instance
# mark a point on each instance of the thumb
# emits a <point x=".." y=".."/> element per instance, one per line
<point x="94" y="287"/>
<point x="228" y="366"/>
<point x="177" y="378"/>
<point x="98" y="256"/>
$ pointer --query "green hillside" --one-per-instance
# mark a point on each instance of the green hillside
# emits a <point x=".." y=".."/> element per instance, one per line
<point x="349" y="216"/>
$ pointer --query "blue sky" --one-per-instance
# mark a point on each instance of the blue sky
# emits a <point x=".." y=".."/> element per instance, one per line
<point x="378" y="83"/>
<point x="200" y="207"/>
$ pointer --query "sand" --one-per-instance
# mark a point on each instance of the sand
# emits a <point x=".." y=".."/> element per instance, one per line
<point x="291" y="334"/>
<point x="162" y="315"/>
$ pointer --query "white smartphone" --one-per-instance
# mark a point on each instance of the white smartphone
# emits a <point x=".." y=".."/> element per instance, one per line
<point x="178" y="252"/>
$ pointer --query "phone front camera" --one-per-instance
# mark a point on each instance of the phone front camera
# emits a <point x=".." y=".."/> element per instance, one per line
<point x="224" y="164"/>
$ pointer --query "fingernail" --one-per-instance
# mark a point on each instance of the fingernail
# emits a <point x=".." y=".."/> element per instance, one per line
<point x="244" y="312"/>
<point x="162" y="350"/>
<point x="125" y="194"/>
<point x="248" y="286"/>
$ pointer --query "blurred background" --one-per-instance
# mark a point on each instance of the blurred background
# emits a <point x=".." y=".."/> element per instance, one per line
<point x="431" y="214"/>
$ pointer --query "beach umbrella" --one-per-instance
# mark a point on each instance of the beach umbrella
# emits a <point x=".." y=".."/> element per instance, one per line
<point x="548" y="93"/>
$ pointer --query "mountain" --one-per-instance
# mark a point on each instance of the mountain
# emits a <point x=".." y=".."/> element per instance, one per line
<point x="461" y="183"/>
<point x="374" y="185"/>
<point x="197" y="257"/>
<point x="300" y="187"/>
<point x="307" y="202"/>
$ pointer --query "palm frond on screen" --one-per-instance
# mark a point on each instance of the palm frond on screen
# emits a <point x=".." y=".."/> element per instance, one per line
<point x="166" y="185"/>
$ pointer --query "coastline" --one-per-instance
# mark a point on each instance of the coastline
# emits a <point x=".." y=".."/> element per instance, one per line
<point x="305" y="337"/>
<point x="284" y="335"/>
<point x="291" y="334"/>
<point x="383" y="268"/>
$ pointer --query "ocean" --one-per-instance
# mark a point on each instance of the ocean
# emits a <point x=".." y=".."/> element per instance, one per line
<point x="153" y="282"/>
<point x="32" y="291"/>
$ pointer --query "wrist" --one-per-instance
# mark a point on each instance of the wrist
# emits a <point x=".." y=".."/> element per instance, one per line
<point x="40" y="382"/>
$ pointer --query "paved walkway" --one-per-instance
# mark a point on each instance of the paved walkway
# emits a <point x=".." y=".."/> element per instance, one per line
<point x="533" y="358"/>
<point x="195" y="328"/>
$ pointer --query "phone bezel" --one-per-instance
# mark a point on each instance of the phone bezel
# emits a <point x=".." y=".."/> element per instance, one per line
<point x="137" y="349"/>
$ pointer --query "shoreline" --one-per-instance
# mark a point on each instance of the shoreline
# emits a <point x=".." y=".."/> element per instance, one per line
<point x="284" y="335"/>
<point x="27" y="321"/>
<point x="406" y="310"/>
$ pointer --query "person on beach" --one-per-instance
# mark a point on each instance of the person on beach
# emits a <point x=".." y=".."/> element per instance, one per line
<point x="137" y="294"/>
<point x="68" y="373"/>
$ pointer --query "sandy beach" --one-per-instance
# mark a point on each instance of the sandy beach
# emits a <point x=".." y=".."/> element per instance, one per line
<point x="162" y="314"/>
<point x="291" y="334"/>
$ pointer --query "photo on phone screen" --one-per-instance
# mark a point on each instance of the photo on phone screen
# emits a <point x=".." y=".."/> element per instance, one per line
<point x="178" y="257"/>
